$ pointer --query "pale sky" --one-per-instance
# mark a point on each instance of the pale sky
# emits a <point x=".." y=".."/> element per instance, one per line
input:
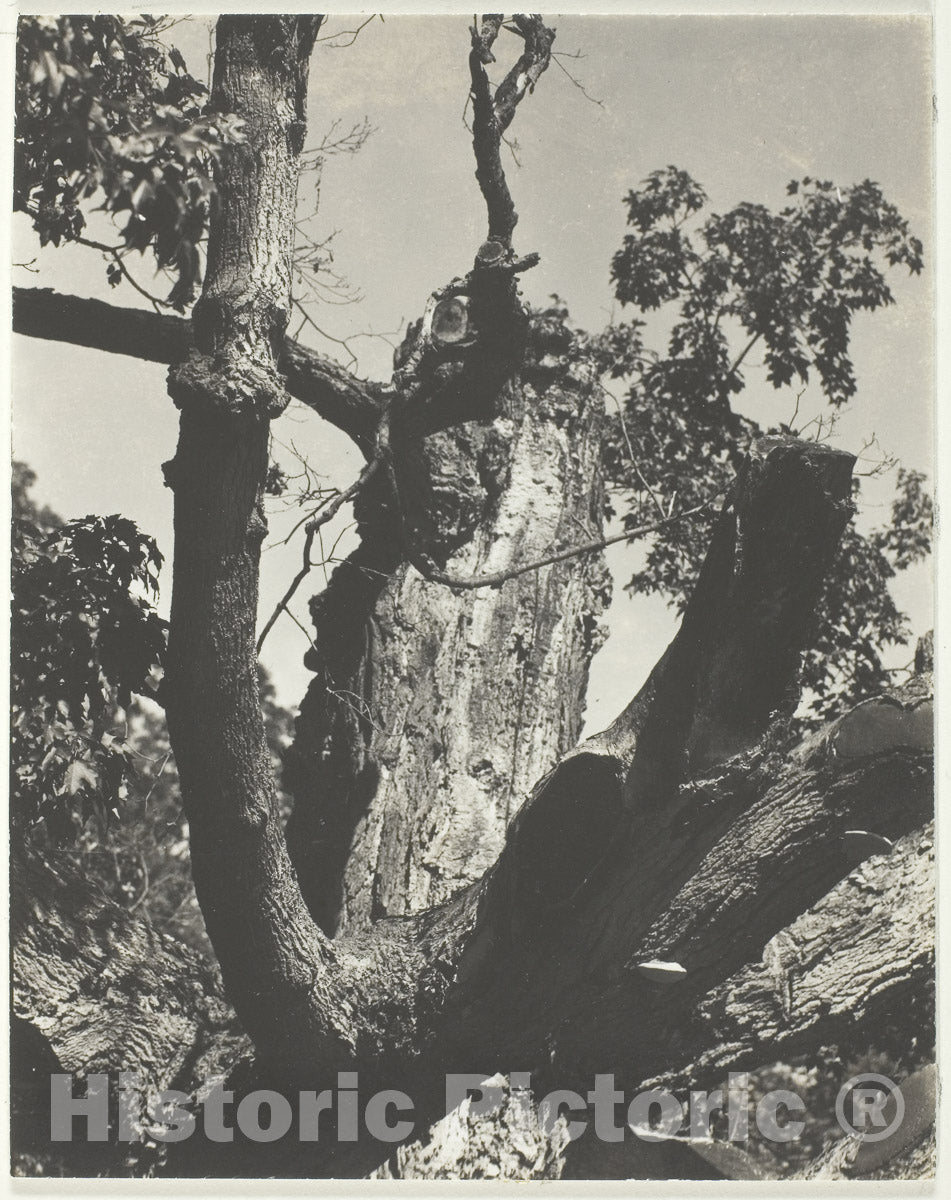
<point x="743" y="103"/>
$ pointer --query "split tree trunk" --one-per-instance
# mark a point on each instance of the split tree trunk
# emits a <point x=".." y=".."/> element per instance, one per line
<point x="681" y="832"/>
<point x="433" y="711"/>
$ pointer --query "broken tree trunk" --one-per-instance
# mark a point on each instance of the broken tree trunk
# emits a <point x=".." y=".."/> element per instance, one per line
<point x="433" y="711"/>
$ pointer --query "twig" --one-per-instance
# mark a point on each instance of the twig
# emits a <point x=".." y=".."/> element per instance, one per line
<point x="791" y="423"/>
<point x="577" y="83"/>
<point x="470" y="583"/>
<point x="634" y="463"/>
<point x="309" y="320"/>
<point x="155" y="781"/>
<point x="737" y="362"/>
<point x="353" y="34"/>
<point x="145" y="882"/>
<point x="310" y="530"/>
<point x="113" y="252"/>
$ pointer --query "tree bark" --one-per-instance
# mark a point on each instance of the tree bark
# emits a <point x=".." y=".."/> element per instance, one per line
<point x="686" y="833"/>
<point x="320" y="383"/>
<point x="433" y="712"/>
<point x="228" y="390"/>
<point x="98" y="991"/>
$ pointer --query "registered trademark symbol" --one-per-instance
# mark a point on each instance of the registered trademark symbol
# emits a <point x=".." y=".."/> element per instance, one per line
<point x="870" y="1106"/>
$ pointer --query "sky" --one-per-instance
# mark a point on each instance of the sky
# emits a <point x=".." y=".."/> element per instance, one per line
<point x="744" y="104"/>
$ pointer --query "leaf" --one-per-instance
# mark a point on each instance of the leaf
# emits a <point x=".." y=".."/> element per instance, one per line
<point x="80" y="776"/>
<point x="142" y="195"/>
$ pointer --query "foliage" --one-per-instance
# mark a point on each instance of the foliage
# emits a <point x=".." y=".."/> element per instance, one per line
<point x="789" y="283"/>
<point x="104" y="110"/>
<point x="82" y="641"/>
<point x="143" y="861"/>
<point x="93" y="770"/>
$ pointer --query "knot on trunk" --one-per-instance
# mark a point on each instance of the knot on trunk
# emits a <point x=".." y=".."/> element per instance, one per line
<point x="228" y="387"/>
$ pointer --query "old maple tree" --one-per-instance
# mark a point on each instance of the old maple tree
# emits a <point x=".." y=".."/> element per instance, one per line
<point x="461" y="886"/>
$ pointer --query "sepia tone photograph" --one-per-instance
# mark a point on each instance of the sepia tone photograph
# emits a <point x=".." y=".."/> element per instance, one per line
<point x="471" y="604"/>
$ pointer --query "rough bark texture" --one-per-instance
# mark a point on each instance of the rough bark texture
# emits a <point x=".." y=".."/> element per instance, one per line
<point x="318" y="382"/>
<point x="607" y="865"/>
<point x="433" y="713"/>
<point x="97" y="990"/>
<point x="687" y="832"/>
<point x="228" y="390"/>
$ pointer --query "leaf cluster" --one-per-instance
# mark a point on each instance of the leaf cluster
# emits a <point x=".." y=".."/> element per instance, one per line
<point x="105" y="110"/>
<point x="84" y="637"/>
<point x="786" y="284"/>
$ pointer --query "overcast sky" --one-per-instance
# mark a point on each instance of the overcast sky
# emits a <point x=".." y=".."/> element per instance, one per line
<point x="743" y="103"/>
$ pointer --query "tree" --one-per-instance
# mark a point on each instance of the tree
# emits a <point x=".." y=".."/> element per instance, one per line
<point x="462" y="887"/>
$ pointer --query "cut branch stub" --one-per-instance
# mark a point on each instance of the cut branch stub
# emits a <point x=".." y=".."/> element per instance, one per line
<point x="450" y="323"/>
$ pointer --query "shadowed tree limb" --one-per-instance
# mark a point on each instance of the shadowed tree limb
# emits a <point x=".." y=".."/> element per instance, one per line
<point x="863" y="953"/>
<point x="319" y="382"/>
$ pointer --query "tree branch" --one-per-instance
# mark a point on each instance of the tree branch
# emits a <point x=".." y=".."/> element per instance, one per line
<point x="861" y="955"/>
<point x="491" y="117"/>
<point x="310" y="529"/>
<point x="71" y="946"/>
<point x="628" y="852"/>
<point x="730" y="846"/>
<point x="323" y="385"/>
<point x="464" y="583"/>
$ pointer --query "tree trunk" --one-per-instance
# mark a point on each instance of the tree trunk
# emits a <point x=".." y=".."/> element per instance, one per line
<point x="228" y="390"/>
<point x="434" y="712"/>
<point x="434" y="768"/>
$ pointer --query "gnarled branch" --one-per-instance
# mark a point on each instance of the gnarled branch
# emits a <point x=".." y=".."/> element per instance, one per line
<point x="320" y="383"/>
<point x="493" y="115"/>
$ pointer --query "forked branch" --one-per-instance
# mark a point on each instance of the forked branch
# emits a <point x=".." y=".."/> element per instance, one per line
<point x="492" y="115"/>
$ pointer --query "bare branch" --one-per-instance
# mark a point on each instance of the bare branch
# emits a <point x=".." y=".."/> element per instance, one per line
<point x="810" y="989"/>
<point x="635" y="463"/>
<point x="310" y="530"/>
<point x="575" y="82"/>
<point x="323" y="385"/>
<point x="493" y="115"/>
<point x="352" y="34"/>
<point x="532" y="63"/>
<point x="497" y="578"/>
<point x="347" y="143"/>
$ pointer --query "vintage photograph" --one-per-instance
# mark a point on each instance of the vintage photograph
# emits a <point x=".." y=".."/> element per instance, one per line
<point x="472" y="596"/>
